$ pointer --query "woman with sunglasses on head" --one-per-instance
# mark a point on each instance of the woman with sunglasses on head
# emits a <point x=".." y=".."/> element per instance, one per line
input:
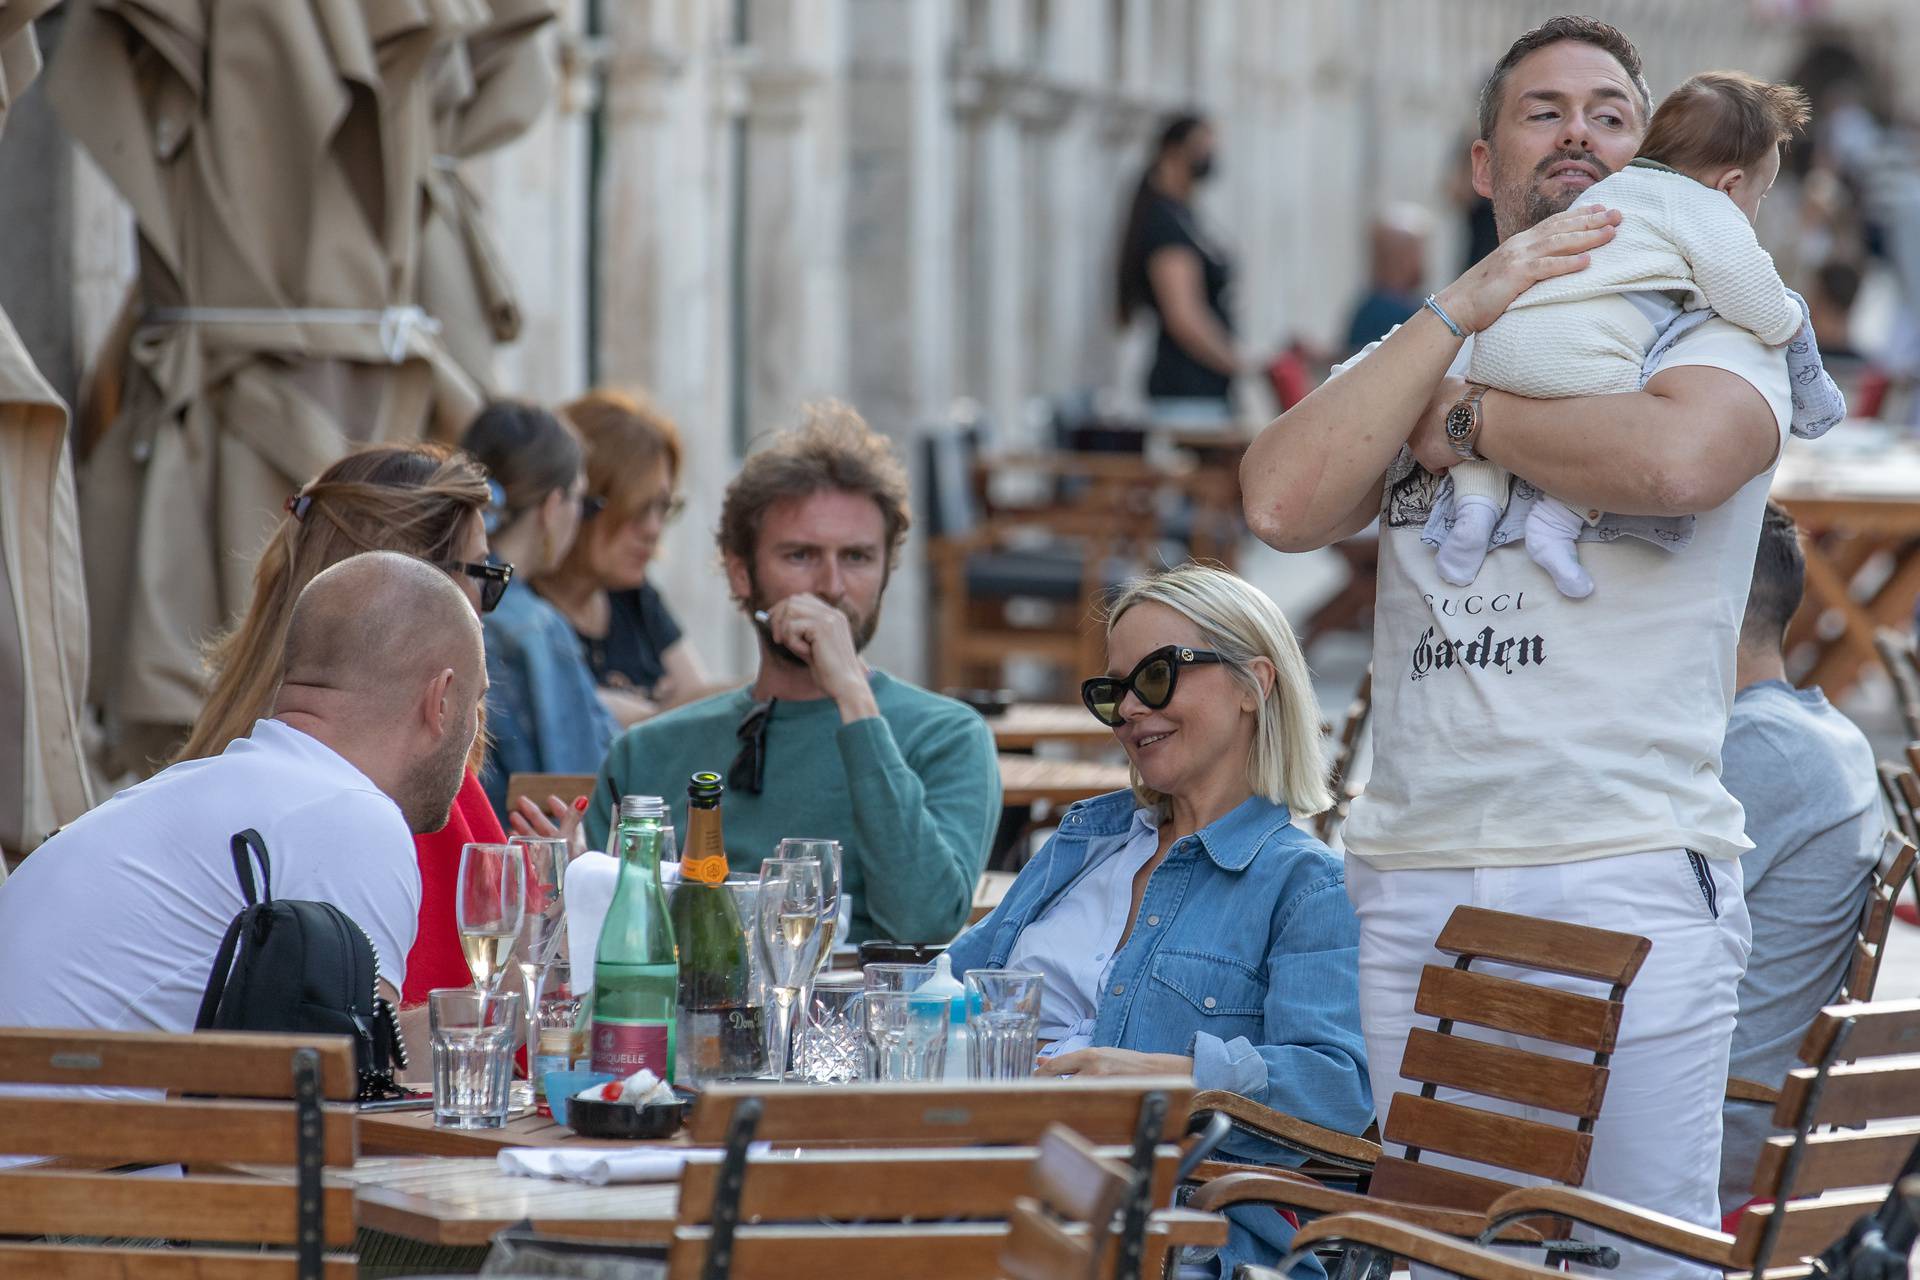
<point x="421" y="499"/>
<point x="543" y="712"/>
<point x="632" y="643"/>
<point x="1187" y="926"/>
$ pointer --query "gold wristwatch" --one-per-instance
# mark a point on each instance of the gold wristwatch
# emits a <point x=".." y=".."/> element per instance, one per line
<point x="1463" y="423"/>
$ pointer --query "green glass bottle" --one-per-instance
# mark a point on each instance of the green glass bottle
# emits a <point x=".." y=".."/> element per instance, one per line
<point x="636" y="970"/>
<point x="721" y="1025"/>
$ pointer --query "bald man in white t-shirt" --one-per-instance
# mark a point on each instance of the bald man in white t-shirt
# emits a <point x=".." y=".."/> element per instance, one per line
<point x="1533" y="753"/>
<point x="113" y="923"/>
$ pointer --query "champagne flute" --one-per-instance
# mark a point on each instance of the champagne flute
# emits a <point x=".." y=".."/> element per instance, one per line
<point x="787" y="930"/>
<point x="546" y="921"/>
<point x="490" y="905"/>
<point x="827" y="852"/>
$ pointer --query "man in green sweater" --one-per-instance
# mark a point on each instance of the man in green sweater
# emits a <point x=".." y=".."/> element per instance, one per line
<point x="821" y="744"/>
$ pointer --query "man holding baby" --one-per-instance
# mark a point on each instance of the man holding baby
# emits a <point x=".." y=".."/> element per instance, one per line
<point x="1539" y="748"/>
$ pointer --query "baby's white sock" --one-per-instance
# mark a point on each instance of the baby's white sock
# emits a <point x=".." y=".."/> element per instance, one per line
<point x="1461" y="555"/>
<point x="1552" y="527"/>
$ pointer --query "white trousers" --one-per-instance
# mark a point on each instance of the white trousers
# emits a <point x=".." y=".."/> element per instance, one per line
<point x="1657" y="1141"/>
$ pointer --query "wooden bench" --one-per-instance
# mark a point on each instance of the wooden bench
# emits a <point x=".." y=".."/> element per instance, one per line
<point x="258" y="1098"/>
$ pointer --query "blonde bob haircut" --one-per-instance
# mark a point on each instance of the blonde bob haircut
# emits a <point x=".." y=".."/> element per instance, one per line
<point x="1239" y="623"/>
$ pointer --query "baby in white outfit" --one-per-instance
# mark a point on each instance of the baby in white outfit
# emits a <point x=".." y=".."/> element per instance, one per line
<point x="1685" y="242"/>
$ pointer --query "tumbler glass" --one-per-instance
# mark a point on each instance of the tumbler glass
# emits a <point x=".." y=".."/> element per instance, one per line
<point x="907" y="1034"/>
<point x="896" y="977"/>
<point x="1003" y="1013"/>
<point x="833" y="1041"/>
<point x="473" y="1039"/>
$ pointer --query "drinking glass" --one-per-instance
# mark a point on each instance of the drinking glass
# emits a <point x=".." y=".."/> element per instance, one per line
<point x="1003" y="1013"/>
<point x="833" y="1042"/>
<point x="907" y="1031"/>
<point x="546" y="927"/>
<point x="490" y="904"/>
<point x="896" y="977"/>
<point x="828" y="854"/>
<point x="473" y="1036"/>
<point x="788" y="918"/>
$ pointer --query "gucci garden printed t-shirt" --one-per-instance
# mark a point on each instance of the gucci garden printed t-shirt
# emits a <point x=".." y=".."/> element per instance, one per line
<point x="1514" y="726"/>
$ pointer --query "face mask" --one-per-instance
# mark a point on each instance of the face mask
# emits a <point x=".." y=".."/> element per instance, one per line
<point x="1202" y="169"/>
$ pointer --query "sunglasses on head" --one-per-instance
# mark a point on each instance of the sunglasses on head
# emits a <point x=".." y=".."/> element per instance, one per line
<point x="494" y="577"/>
<point x="1151" y="680"/>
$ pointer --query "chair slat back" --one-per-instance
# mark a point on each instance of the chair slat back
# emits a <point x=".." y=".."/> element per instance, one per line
<point x="1895" y="869"/>
<point x="246" y="1110"/>
<point x="227" y="1064"/>
<point x="1003" y="1113"/>
<point x="1897" y="656"/>
<point x="922" y="1183"/>
<point x="1544" y="1078"/>
<point x="1894" y="782"/>
<point x="1073" y="1185"/>
<point x="1861" y="1085"/>
<point x="88" y="1262"/>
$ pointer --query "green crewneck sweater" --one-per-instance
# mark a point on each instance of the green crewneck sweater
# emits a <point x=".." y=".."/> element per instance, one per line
<point x="913" y="795"/>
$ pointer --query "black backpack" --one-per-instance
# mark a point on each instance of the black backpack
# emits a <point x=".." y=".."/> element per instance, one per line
<point x="301" y="967"/>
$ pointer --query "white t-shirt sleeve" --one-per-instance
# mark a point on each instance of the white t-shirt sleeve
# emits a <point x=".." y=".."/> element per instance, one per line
<point x="1720" y="344"/>
<point x="353" y="849"/>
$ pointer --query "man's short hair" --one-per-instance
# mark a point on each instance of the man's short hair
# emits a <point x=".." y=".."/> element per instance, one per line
<point x="1779" y="579"/>
<point x="1719" y="119"/>
<point x="1585" y="30"/>
<point x="832" y="450"/>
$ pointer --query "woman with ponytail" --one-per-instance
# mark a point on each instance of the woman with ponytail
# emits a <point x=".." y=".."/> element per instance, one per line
<point x="1168" y="266"/>
<point x="421" y="499"/>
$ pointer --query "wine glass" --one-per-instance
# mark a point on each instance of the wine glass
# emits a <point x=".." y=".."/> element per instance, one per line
<point x="546" y="923"/>
<point x="827" y="852"/>
<point x="490" y="905"/>
<point x="788" y="931"/>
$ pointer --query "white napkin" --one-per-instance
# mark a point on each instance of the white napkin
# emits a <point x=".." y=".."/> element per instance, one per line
<point x="590" y="881"/>
<point x="596" y="1168"/>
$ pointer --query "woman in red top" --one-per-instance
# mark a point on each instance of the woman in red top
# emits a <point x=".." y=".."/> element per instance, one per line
<point x="421" y="499"/>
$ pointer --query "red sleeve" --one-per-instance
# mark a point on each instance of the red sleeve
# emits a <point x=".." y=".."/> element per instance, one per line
<point x="435" y="960"/>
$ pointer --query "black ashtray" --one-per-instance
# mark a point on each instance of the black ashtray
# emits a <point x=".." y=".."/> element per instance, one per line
<point x="878" y="951"/>
<point x="591" y="1118"/>
<point x="988" y="702"/>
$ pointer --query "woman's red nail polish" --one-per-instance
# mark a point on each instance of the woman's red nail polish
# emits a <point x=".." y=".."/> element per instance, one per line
<point x="580" y="804"/>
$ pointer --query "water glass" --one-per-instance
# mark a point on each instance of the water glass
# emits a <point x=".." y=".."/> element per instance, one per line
<point x="833" y="1042"/>
<point x="1003" y="1015"/>
<point x="546" y="930"/>
<point x="897" y="977"/>
<point x="473" y="1038"/>
<point x="907" y="1035"/>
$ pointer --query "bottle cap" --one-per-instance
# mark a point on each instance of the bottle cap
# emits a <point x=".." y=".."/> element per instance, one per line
<point x="642" y="807"/>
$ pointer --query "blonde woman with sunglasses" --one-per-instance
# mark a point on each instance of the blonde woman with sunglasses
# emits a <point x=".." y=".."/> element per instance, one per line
<point x="1186" y="926"/>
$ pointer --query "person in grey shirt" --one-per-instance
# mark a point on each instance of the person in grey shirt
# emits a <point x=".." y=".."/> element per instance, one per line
<point x="1805" y="775"/>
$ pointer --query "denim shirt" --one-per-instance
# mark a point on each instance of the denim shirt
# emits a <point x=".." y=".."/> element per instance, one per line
<point x="1244" y="956"/>
<point x="544" y="714"/>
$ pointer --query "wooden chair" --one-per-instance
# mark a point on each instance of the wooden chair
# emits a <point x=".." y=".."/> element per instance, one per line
<point x="1860" y="1088"/>
<point x="1344" y="790"/>
<point x="935" y="1175"/>
<point x="1074" y="1186"/>
<point x="1412" y="1190"/>
<point x="259" y="1099"/>
<point x="1018" y="583"/>
<point x="1903" y="668"/>
<point x="1899" y="867"/>
<point x="1897" y="788"/>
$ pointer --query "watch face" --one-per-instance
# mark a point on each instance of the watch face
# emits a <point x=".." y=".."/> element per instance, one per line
<point x="1459" y="422"/>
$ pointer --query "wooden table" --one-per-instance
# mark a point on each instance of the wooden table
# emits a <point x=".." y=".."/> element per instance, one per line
<point x="1025" y="725"/>
<point x="412" y="1133"/>
<point x="1026" y="781"/>
<point x="1856" y="497"/>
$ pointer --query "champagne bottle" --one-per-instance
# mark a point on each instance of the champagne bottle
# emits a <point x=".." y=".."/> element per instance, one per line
<point x="721" y="1027"/>
<point x="636" y="969"/>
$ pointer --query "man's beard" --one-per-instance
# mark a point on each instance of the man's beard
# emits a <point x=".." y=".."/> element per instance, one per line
<point x="1515" y="207"/>
<point x="862" y="628"/>
<point x="427" y="795"/>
